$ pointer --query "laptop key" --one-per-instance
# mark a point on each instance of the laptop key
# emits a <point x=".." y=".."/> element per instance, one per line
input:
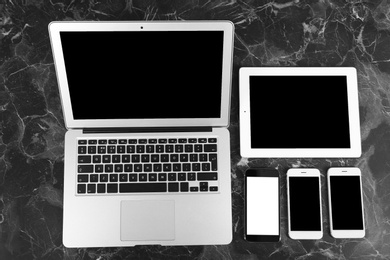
<point x="85" y="168"/>
<point x="203" y="157"/>
<point x="152" y="176"/>
<point x="118" y="167"/>
<point x="82" y="178"/>
<point x="142" y="141"/>
<point x="191" y="176"/>
<point x="103" y="177"/>
<point x="172" y="176"/>
<point x="213" y="160"/>
<point x="212" y="140"/>
<point x="106" y="158"/>
<point x="196" y="167"/>
<point x="160" y="148"/>
<point x="92" y="149"/>
<point x="186" y="167"/>
<point x="198" y="148"/>
<point x="184" y="186"/>
<point x="173" y="186"/>
<point x="120" y="149"/>
<point x="169" y="148"/>
<point x="207" y="176"/>
<point x="143" y="177"/>
<point x="140" y="148"/>
<point x="152" y="141"/>
<point x="181" y="176"/>
<point x="123" y="177"/>
<point x="130" y="148"/>
<point x="94" y="178"/>
<point x="82" y="149"/>
<point x="111" y="149"/>
<point x="172" y="141"/>
<point x="113" y="177"/>
<point x="101" y="188"/>
<point x="99" y="168"/>
<point x="188" y="148"/>
<point x="128" y="167"/>
<point x="112" y="188"/>
<point x="133" y="177"/>
<point x="210" y="148"/>
<point x="205" y="167"/>
<point x="92" y="141"/>
<point x="150" y="148"/>
<point x="97" y="158"/>
<point x="81" y="188"/>
<point x="138" y="167"/>
<point x="84" y="159"/>
<point x="162" y="177"/>
<point x="108" y="168"/>
<point x="91" y="188"/>
<point x="126" y="158"/>
<point x="116" y="158"/>
<point x="204" y="186"/>
<point x="202" y="140"/>
<point x="142" y="187"/>
<point x="155" y="158"/>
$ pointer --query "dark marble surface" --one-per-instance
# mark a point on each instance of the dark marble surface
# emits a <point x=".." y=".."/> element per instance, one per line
<point x="268" y="33"/>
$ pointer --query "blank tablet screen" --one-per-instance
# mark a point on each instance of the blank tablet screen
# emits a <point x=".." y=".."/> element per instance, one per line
<point x="299" y="112"/>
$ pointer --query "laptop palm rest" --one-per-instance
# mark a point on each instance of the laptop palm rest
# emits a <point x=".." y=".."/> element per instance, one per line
<point x="147" y="220"/>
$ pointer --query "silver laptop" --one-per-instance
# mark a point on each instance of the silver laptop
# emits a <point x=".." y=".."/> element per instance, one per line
<point x="147" y="151"/>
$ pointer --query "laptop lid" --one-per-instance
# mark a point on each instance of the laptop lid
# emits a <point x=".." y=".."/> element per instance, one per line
<point x="299" y="112"/>
<point x="143" y="74"/>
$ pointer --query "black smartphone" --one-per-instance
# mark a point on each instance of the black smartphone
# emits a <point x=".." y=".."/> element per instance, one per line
<point x="262" y="215"/>
<point x="346" y="207"/>
<point x="304" y="204"/>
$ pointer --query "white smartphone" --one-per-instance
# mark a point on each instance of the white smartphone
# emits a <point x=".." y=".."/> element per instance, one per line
<point x="262" y="218"/>
<point x="304" y="204"/>
<point x="346" y="203"/>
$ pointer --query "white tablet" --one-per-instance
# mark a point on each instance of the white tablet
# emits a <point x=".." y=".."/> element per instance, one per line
<point x="299" y="112"/>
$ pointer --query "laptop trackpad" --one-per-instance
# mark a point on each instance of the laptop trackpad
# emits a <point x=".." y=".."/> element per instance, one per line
<point x="147" y="220"/>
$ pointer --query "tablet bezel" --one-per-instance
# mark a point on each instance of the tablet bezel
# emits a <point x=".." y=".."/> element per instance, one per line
<point x="353" y="113"/>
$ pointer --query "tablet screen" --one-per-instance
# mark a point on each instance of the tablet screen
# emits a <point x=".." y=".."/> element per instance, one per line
<point x="299" y="111"/>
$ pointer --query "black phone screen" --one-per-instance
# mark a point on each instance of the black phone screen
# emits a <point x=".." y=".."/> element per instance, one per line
<point x="305" y="204"/>
<point x="346" y="198"/>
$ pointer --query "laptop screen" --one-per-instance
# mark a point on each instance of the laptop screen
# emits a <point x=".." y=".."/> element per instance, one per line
<point x="144" y="74"/>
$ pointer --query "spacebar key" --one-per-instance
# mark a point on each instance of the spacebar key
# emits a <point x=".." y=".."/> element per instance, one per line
<point x="142" y="187"/>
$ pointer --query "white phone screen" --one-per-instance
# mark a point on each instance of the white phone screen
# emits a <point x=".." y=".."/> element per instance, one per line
<point x="262" y="206"/>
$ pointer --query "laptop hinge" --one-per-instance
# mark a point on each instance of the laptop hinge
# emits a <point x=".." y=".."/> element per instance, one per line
<point x="112" y="130"/>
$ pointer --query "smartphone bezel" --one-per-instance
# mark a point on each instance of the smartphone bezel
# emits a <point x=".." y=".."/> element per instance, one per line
<point x="303" y="173"/>
<point x="345" y="171"/>
<point x="261" y="172"/>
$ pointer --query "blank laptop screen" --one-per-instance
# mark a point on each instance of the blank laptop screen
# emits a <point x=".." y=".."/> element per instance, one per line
<point x="299" y="112"/>
<point x="150" y="74"/>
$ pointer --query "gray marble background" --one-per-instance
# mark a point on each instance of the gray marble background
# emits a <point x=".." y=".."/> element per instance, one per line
<point x="267" y="33"/>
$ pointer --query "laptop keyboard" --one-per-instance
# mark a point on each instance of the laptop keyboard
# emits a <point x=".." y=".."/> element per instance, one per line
<point x="167" y="165"/>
